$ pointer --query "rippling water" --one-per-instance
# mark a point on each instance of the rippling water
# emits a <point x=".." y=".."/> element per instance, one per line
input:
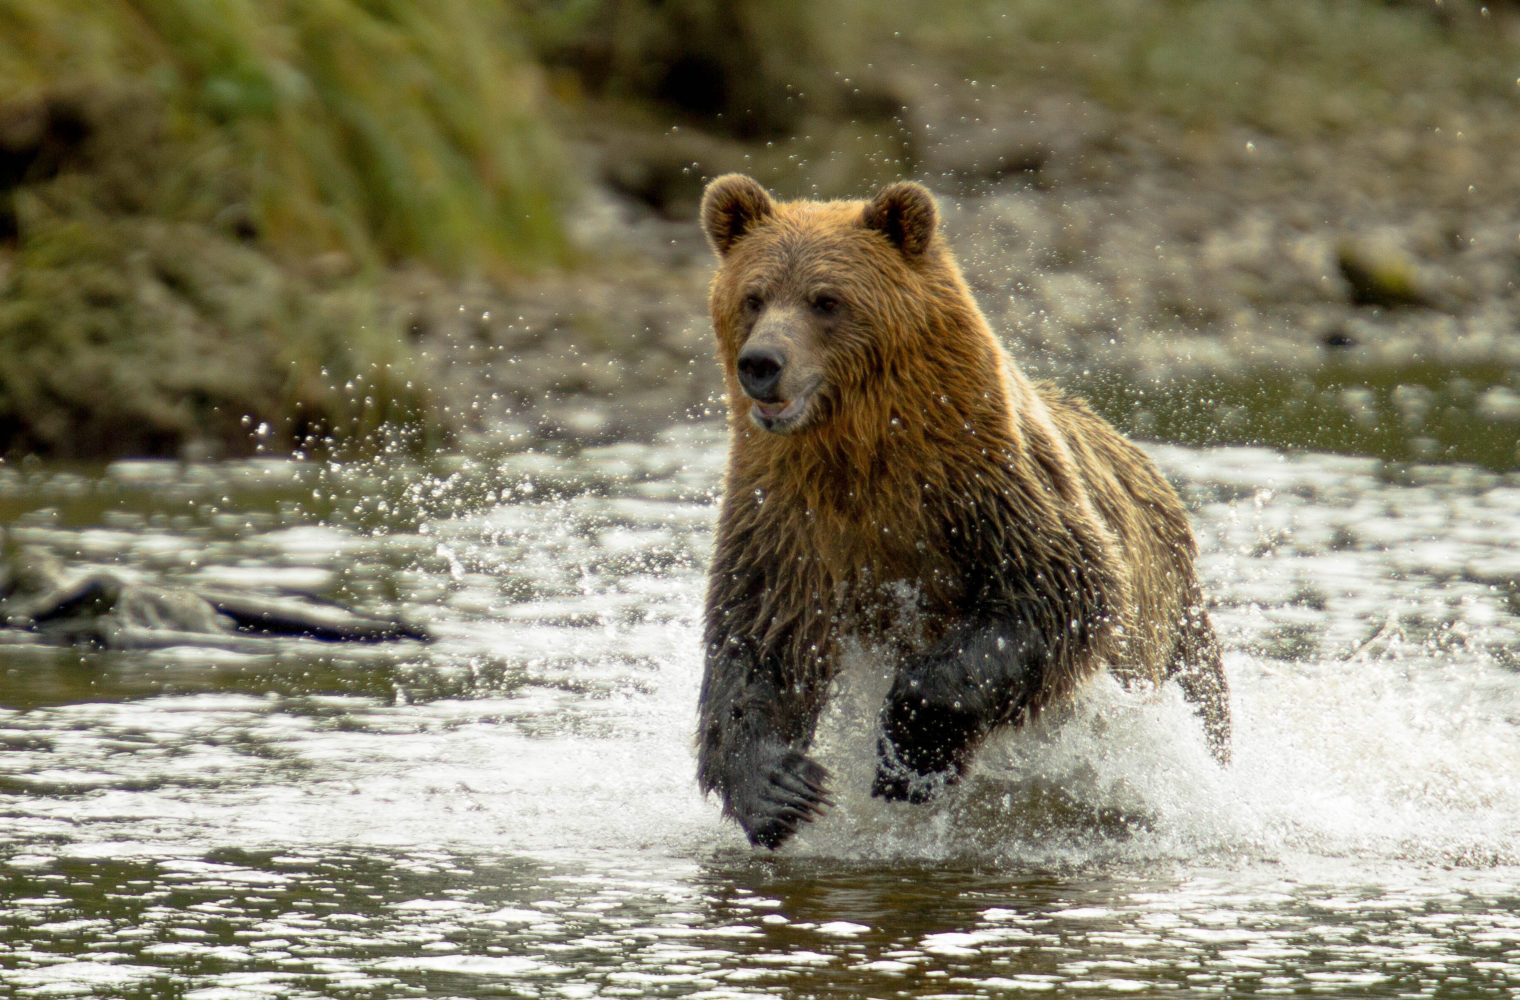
<point x="510" y="811"/>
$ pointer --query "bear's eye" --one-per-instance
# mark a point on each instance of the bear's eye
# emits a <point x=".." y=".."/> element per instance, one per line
<point x="753" y="303"/>
<point x="825" y="304"/>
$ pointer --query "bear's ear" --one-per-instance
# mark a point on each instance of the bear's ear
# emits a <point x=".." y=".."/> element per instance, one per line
<point x="732" y="205"/>
<point x="905" y="212"/>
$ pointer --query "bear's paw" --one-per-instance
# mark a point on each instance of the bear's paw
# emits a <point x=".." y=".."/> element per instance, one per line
<point x="785" y="789"/>
<point x="924" y="743"/>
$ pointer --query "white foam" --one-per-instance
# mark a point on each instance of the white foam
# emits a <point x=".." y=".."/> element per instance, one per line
<point x="1392" y="737"/>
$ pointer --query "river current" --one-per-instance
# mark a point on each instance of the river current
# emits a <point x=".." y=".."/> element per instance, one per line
<point x="510" y="810"/>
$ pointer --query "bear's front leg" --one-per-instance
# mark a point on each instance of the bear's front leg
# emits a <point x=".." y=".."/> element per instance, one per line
<point x="945" y="700"/>
<point x="750" y="748"/>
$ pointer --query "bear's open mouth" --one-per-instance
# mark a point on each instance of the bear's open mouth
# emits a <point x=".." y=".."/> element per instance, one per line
<point x="780" y="411"/>
<point x="784" y="416"/>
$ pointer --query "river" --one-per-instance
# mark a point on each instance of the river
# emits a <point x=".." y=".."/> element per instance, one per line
<point x="510" y="810"/>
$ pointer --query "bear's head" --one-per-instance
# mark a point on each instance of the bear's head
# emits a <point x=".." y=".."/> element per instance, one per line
<point x="831" y="309"/>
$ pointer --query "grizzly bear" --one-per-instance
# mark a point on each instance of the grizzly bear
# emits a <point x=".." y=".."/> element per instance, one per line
<point x="883" y="444"/>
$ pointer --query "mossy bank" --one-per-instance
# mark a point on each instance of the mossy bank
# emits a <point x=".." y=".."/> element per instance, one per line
<point x="203" y="207"/>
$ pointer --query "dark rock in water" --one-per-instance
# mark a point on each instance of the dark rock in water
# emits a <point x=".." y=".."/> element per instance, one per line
<point x="105" y="610"/>
<point x="266" y="615"/>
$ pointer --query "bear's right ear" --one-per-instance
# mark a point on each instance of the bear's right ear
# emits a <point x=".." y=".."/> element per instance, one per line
<point x="732" y="205"/>
<point x="905" y="212"/>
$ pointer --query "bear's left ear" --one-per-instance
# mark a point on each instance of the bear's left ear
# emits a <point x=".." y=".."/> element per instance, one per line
<point x="731" y="206"/>
<point x="905" y="212"/>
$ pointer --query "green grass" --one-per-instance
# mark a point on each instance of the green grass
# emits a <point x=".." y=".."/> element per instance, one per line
<point x="135" y="335"/>
<point x="197" y="241"/>
<point x="386" y="129"/>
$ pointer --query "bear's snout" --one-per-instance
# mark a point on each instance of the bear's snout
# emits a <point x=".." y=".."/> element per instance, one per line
<point x="760" y="370"/>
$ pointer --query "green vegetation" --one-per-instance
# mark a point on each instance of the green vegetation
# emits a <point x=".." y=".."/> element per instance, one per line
<point x="202" y="200"/>
<point x="146" y="336"/>
<point x="1291" y="68"/>
<point x="743" y="67"/>
<point x="385" y="129"/>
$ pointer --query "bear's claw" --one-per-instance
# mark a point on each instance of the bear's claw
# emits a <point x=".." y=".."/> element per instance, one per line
<point x="792" y="792"/>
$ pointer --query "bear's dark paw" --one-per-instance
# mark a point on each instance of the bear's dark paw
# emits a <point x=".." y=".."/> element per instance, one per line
<point x="787" y="789"/>
<point x="927" y="736"/>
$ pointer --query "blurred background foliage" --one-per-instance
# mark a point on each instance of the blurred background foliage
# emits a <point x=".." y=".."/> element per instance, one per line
<point x="212" y="212"/>
<point x="386" y="129"/>
<point x="1292" y="67"/>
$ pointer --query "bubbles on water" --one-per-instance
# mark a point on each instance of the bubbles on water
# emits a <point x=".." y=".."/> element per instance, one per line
<point x="1119" y="773"/>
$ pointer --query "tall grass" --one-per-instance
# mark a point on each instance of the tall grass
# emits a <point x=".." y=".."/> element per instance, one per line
<point x="200" y="200"/>
<point x="387" y="129"/>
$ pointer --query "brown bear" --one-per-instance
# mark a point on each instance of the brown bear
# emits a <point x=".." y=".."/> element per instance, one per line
<point x="883" y="444"/>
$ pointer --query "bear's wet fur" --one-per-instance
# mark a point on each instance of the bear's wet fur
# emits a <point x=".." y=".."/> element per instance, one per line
<point x="883" y="444"/>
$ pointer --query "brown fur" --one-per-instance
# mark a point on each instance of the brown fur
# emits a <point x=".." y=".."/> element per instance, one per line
<point x="923" y="457"/>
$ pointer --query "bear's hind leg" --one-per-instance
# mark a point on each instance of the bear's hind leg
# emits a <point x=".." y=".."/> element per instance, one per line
<point x="1199" y="670"/>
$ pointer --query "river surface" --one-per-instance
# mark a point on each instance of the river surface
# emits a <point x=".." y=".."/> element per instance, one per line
<point x="511" y="811"/>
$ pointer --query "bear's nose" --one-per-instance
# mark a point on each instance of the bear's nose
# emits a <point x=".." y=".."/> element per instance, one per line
<point x="760" y="372"/>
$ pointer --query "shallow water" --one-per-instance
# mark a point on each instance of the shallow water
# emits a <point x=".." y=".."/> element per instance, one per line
<point x="510" y="811"/>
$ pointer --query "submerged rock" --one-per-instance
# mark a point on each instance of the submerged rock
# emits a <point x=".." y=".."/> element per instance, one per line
<point x="1381" y="275"/>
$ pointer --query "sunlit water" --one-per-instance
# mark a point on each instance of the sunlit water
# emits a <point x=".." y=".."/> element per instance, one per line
<point x="511" y="811"/>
